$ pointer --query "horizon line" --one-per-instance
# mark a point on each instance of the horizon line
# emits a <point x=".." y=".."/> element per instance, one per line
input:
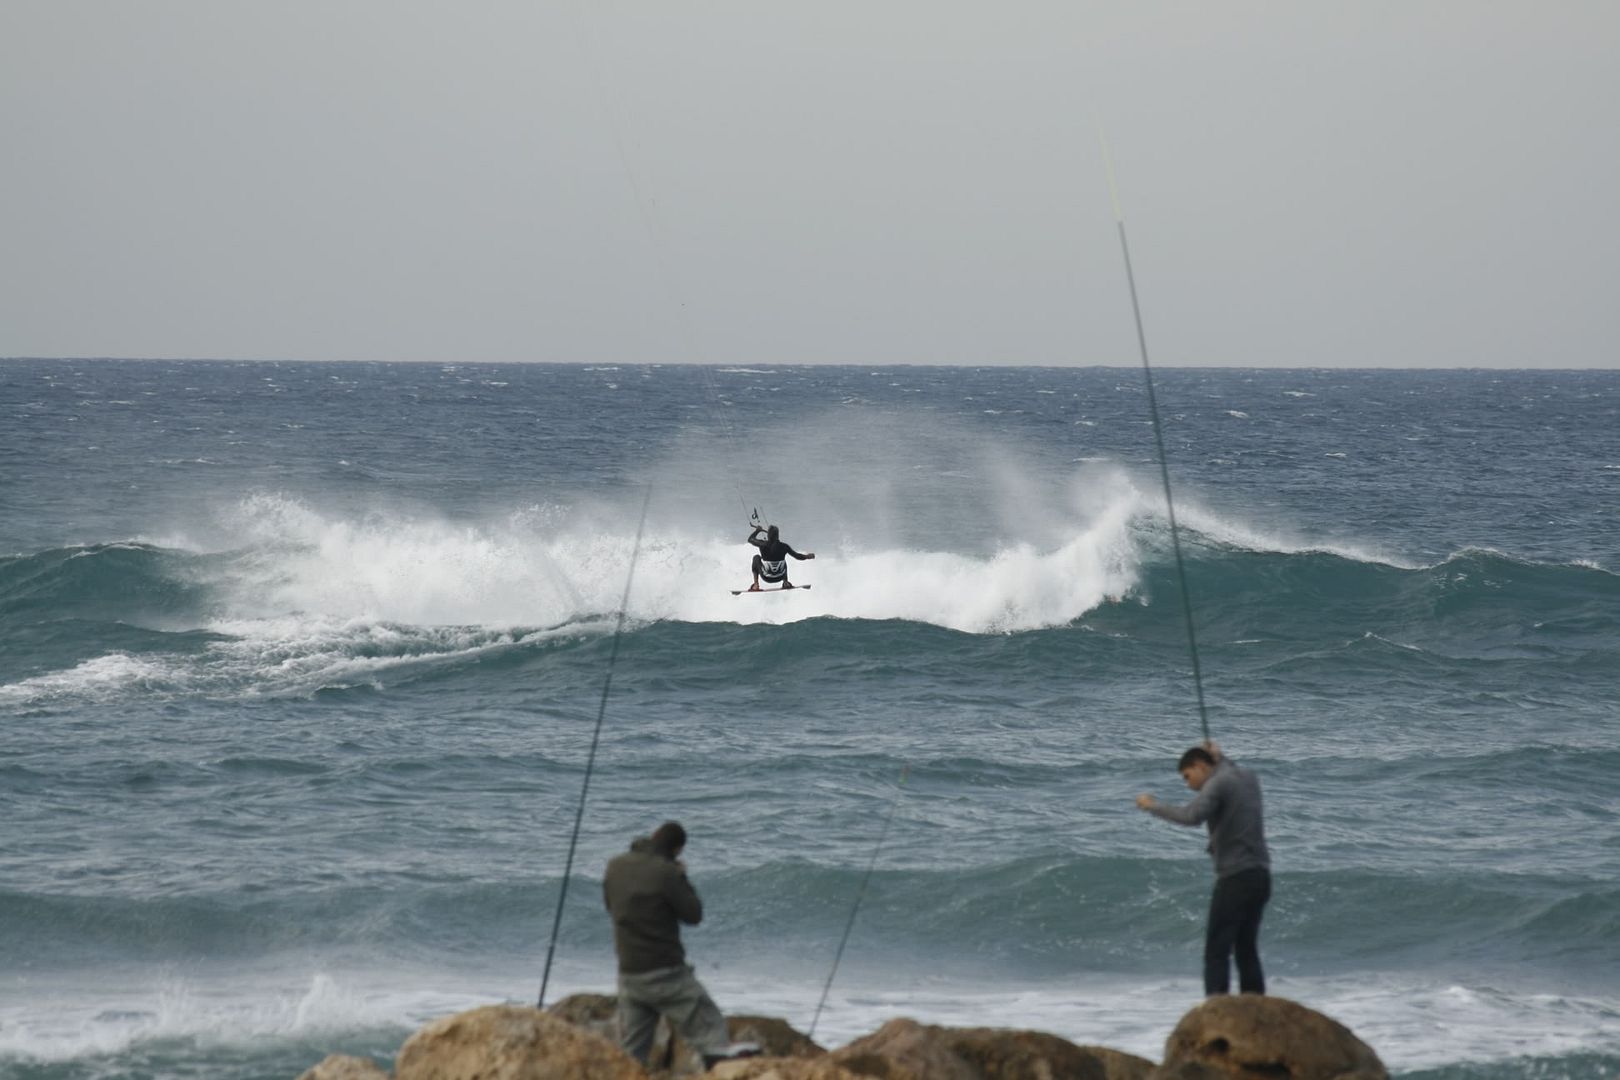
<point x="1124" y="365"/>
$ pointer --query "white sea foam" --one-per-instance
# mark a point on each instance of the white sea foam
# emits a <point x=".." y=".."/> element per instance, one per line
<point x="411" y="571"/>
<point x="71" y="1021"/>
<point x="293" y="655"/>
<point x="333" y="595"/>
<point x="314" y="596"/>
<point x="1426" y="1025"/>
<point x="335" y="577"/>
<point x="1224" y="530"/>
<point x="100" y="678"/>
<point x="1412" y="1022"/>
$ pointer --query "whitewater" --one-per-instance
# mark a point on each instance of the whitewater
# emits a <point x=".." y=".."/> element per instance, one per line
<point x="299" y="663"/>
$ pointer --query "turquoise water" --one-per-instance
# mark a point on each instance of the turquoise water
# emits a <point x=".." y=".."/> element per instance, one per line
<point x="299" y="666"/>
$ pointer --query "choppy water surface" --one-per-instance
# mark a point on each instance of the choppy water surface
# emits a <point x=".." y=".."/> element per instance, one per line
<point x="299" y="665"/>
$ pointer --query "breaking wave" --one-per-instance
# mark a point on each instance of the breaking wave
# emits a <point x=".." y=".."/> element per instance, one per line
<point x="309" y="601"/>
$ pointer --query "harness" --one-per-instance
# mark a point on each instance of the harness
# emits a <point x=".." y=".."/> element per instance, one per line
<point x="772" y="571"/>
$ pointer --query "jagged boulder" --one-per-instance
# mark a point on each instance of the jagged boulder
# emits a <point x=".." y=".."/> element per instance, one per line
<point x="1254" y="1037"/>
<point x="596" y="1013"/>
<point x="511" y="1042"/>
<point x="782" y="1068"/>
<point x="776" y="1037"/>
<point x="904" y="1050"/>
<point x="907" y="1050"/>
<point x="1118" y="1065"/>
<point x="1001" y="1054"/>
<point x="345" y="1067"/>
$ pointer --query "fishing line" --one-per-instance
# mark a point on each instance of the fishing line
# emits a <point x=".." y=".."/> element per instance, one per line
<point x="590" y="760"/>
<point x="647" y="212"/>
<point x="860" y="895"/>
<point x="1158" y="437"/>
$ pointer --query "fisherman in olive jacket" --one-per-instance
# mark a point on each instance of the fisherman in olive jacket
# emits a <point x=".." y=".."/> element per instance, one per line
<point x="648" y="896"/>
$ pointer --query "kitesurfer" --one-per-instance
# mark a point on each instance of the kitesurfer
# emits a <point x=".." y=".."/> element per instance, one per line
<point x="647" y="895"/>
<point x="1228" y="800"/>
<point x="770" y="562"/>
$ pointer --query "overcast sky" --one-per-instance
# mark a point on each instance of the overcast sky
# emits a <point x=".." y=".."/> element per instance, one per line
<point x="1369" y="183"/>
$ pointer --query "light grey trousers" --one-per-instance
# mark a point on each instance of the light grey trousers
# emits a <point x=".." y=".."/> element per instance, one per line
<point x="673" y="992"/>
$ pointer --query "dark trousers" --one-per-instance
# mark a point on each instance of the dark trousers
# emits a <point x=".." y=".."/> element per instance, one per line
<point x="1234" y="926"/>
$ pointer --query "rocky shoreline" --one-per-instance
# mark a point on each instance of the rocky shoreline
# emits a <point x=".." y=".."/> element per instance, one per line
<point x="1222" y="1038"/>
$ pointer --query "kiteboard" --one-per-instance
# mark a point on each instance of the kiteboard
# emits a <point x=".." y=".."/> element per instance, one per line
<point x="796" y="588"/>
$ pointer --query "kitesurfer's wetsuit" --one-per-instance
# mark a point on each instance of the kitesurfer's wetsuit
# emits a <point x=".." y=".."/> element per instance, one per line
<point x="771" y="562"/>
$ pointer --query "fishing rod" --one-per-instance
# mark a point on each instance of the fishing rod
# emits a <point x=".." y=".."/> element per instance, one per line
<point x="590" y="760"/>
<point x="1158" y="438"/>
<point x="860" y="895"/>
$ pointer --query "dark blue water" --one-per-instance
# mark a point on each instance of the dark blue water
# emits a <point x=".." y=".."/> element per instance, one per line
<point x="299" y="666"/>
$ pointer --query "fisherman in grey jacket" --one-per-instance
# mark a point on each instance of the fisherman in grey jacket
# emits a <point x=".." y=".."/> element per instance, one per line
<point x="1228" y="800"/>
<point x="647" y="894"/>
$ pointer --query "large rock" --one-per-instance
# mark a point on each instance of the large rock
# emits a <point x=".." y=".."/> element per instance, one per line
<point x="907" y="1050"/>
<point x="776" y="1038"/>
<point x="1253" y="1037"/>
<point x="904" y="1050"/>
<point x="345" y="1067"/>
<point x="1118" y="1065"/>
<point x="511" y="1042"/>
<point x="598" y="1013"/>
<point x="1024" y="1055"/>
<point x="781" y="1068"/>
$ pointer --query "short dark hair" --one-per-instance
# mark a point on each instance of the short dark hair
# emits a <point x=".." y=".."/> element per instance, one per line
<point x="773" y="532"/>
<point x="669" y="837"/>
<point x="1197" y="755"/>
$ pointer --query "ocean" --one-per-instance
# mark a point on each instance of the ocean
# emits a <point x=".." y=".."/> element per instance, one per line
<point x="300" y="665"/>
